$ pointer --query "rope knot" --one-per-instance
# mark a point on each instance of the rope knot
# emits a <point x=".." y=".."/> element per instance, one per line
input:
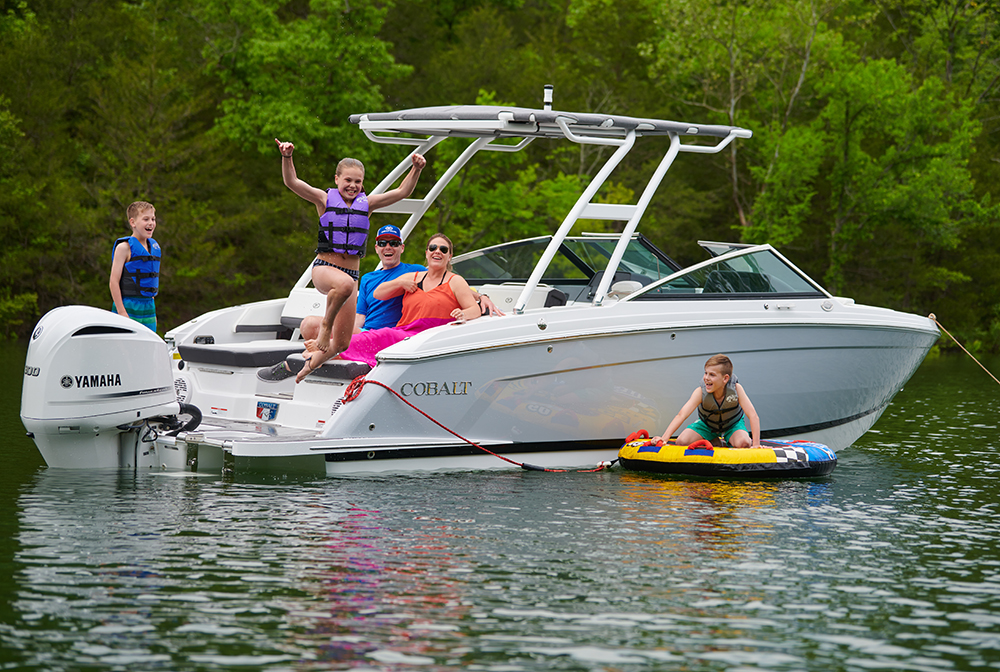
<point x="354" y="389"/>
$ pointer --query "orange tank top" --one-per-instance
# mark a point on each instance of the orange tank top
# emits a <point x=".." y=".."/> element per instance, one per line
<point x="437" y="302"/>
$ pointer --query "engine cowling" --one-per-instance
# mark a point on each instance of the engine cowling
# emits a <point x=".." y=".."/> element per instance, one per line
<point x="87" y="373"/>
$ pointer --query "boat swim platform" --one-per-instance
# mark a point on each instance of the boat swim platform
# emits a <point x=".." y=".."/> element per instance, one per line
<point x="217" y="430"/>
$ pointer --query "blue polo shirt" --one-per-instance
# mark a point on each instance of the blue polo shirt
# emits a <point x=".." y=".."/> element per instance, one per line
<point x="379" y="314"/>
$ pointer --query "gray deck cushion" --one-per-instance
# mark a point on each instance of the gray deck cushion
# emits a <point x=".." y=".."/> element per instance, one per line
<point x="254" y="354"/>
<point x="335" y="369"/>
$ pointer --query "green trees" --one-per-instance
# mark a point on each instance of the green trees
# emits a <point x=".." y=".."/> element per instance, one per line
<point x="857" y="159"/>
<point x="176" y="103"/>
<point x="297" y="70"/>
<point x="874" y="162"/>
<point x="897" y="172"/>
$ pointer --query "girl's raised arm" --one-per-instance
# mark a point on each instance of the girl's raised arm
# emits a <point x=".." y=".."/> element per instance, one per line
<point x="405" y="188"/>
<point x="299" y="187"/>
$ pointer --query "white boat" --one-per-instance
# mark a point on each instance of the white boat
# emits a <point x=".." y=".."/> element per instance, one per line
<point x="604" y="334"/>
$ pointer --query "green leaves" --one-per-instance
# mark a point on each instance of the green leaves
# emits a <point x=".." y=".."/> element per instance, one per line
<point x="898" y="162"/>
<point x="788" y="182"/>
<point x="297" y="76"/>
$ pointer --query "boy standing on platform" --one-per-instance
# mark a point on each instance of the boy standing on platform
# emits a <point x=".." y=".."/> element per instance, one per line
<point x="135" y="267"/>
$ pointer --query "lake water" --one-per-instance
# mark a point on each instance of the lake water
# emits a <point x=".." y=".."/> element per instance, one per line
<point x="891" y="563"/>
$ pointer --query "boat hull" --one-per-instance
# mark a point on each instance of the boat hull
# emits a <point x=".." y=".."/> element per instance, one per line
<point x="825" y="383"/>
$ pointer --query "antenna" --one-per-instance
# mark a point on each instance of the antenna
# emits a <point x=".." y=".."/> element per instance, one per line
<point x="547" y="97"/>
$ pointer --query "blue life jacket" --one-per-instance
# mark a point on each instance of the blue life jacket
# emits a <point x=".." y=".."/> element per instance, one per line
<point x="343" y="228"/>
<point x="720" y="417"/>
<point x="141" y="275"/>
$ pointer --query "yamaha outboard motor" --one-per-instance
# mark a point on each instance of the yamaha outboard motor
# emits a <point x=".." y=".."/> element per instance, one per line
<point x="91" y="379"/>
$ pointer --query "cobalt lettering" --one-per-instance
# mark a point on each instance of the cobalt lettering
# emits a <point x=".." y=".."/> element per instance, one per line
<point x="434" y="389"/>
<point x="109" y="380"/>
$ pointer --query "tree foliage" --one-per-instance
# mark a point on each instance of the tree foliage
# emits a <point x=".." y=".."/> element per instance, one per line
<point x="874" y="164"/>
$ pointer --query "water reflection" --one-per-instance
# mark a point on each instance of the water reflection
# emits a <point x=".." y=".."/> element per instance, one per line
<point x="379" y="588"/>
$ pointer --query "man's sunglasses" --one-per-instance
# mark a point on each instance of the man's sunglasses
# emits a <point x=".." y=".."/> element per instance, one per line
<point x="390" y="243"/>
<point x="434" y="246"/>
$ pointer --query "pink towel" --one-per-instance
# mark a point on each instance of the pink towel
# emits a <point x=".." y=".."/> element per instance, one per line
<point x="367" y="344"/>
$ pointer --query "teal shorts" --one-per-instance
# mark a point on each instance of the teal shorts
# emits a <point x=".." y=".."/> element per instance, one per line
<point x="140" y="309"/>
<point x="710" y="434"/>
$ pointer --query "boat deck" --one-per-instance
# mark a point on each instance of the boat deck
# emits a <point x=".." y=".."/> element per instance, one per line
<point x="219" y="430"/>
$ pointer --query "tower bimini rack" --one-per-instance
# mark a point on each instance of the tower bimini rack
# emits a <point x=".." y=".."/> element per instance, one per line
<point x="487" y="123"/>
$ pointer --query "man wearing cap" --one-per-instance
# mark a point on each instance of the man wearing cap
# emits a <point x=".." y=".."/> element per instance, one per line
<point x="372" y="313"/>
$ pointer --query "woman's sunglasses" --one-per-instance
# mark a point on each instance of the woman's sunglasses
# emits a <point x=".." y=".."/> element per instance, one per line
<point x="434" y="246"/>
<point x="390" y="243"/>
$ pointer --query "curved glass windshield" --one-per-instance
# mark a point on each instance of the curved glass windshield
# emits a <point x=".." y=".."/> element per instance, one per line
<point x="502" y="262"/>
<point x="754" y="274"/>
<point x="577" y="259"/>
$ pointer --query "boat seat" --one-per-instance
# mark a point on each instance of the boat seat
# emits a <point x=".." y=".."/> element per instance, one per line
<point x="334" y="369"/>
<point x="555" y="297"/>
<point x="620" y="276"/>
<point x="252" y="354"/>
<point x="301" y="302"/>
<point x="505" y="295"/>
<point x="623" y="288"/>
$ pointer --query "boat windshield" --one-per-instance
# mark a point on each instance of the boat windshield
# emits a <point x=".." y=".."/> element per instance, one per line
<point x="752" y="274"/>
<point x="578" y="260"/>
<point x="719" y="249"/>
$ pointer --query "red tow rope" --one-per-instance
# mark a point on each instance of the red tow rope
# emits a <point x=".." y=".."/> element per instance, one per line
<point x="354" y="389"/>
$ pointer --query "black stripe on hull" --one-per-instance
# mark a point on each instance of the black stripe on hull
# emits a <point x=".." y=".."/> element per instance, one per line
<point x="464" y="450"/>
<point x="818" y="426"/>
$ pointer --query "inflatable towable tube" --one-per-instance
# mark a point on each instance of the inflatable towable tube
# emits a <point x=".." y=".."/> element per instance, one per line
<point x="775" y="459"/>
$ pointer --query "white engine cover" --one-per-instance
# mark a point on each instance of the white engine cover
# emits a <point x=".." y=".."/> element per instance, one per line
<point x="87" y="372"/>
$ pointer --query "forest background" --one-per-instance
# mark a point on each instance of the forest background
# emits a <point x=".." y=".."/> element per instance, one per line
<point x="874" y="166"/>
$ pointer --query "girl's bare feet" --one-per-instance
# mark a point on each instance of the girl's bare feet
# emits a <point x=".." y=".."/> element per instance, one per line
<point x="314" y="361"/>
<point x="310" y="347"/>
<point x="322" y="341"/>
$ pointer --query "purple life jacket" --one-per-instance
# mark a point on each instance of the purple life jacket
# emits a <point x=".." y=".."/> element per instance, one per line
<point x="342" y="228"/>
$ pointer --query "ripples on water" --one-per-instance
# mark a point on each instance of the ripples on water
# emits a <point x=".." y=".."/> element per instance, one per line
<point x="891" y="563"/>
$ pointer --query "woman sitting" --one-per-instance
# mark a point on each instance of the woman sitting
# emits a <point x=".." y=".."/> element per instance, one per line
<point x="430" y="298"/>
